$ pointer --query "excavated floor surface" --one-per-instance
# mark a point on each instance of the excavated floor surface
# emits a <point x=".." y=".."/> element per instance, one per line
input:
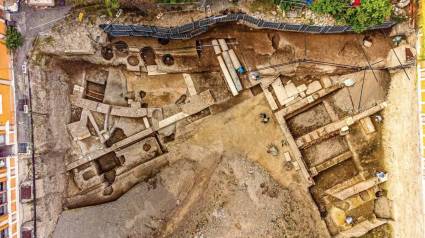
<point x="221" y="181"/>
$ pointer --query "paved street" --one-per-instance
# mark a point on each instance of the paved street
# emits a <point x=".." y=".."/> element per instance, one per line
<point x="30" y="22"/>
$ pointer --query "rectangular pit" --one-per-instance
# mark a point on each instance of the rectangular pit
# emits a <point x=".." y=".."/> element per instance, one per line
<point x="327" y="149"/>
<point x="309" y="120"/>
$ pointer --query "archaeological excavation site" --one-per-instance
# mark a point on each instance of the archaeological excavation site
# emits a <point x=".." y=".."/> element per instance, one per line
<point x="223" y="126"/>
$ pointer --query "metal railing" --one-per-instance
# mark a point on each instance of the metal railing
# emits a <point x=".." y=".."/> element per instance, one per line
<point x="196" y="28"/>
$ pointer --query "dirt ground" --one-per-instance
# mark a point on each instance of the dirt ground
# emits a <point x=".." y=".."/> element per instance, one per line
<point x="221" y="191"/>
<point x="161" y="90"/>
<point x="221" y="181"/>
<point x="309" y="120"/>
<point x="325" y="150"/>
<point x="402" y="156"/>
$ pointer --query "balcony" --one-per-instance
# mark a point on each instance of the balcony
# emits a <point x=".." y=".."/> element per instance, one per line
<point x="2" y="163"/>
<point x="7" y="150"/>
<point x="3" y="199"/>
<point x="4" y="233"/>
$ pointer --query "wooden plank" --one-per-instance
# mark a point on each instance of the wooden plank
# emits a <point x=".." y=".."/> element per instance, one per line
<point x="170" y="120"/>
<point x="227" y="76"/>
<point x="232" y="71"/>
<point x="189" y="83"/>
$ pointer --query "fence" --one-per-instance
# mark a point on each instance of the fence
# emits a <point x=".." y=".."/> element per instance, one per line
<point x="196" y="28"/>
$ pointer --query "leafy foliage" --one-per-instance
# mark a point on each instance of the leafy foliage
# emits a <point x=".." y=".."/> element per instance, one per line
<point x="175" y="1"/>
<point x="336" y="8"/>
<point x="286" y="5"/>
<point x="111" y="6"/>
<point x="369" y="13"/>
<point x="14" y="39"/>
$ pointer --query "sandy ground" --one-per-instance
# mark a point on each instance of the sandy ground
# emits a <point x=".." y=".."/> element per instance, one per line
<point x="402" y="157"/>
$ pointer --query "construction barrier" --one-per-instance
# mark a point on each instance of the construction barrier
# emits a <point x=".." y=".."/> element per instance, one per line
<point x="190" y="30"/>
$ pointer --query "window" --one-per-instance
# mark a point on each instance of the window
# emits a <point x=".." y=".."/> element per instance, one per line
<point x="2" y="139"/>
<point x="3" y="209"/>
<point x="26" y="192"/>
<point x="3" y="199"/>
<point x="2" y="186"/>
<point x="26" y="234"/>
<point x="4" y="233"/>
<point x="2" y="163"/>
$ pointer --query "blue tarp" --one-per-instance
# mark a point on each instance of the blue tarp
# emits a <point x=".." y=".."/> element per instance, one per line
<point x="195" y="28"/>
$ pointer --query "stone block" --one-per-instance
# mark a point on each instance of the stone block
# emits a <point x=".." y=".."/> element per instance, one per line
<point x="296" y="165"/>
<point x="301" y="88"/>
<point x="291" y="89"/>
<point x="307" y="138"/>
<point x="313" y="87"/>
<point x="326" y="82"/>
<point x="287" y="156"/>
<point x="349" y="121"/>
<point x="314" y="135"/>
<point x="310" y="99"/>
<point x="367" y="125"/>
<point x="299" y="142"/>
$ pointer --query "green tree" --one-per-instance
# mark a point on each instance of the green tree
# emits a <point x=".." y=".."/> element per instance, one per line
<point x="335" y="8"/>
<point x="111" y="6"/>
<point x="14" y="39"/>
<point x="370" y="13"/>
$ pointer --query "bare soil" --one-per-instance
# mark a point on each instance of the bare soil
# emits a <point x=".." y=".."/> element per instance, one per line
<point x="309" y="120"/>
<point x="402" y="156"/>
<point x="221" y="181"/>
<point x="219" y="184"/>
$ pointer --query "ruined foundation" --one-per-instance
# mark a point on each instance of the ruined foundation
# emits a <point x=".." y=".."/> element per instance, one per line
<point x="170" y="123"/>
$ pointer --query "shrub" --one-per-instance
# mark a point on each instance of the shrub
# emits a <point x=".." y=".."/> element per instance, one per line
<point x="175" y="1"/>
<point x="111" y="6"/>
<point x="286" y="5"/>
<point x="14" y="39"/>
<point x="370" y="13"/>
<point x="335" y="8"/>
